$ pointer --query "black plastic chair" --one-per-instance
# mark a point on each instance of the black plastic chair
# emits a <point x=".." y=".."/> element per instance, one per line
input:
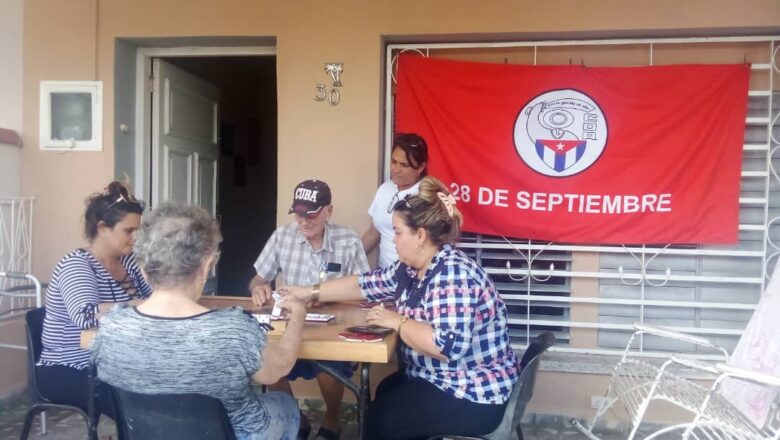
<point x="170" y="416"/>
<point x="34" y="330"/>
<point x="521" y="393"/>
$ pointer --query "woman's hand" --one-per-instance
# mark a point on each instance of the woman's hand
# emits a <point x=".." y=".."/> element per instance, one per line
<point x="293" y="304"/>
<point x="384" y="318"/>
<point x="299" y="293"/>
<point x="338" y="289"/>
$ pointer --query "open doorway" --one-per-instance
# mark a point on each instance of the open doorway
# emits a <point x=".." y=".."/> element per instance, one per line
<point x="211" y="140"/>
<point x="246" y="169"/>
<point x="231" y="167"/>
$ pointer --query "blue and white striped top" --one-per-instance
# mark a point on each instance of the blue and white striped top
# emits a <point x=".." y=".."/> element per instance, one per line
<point x="77" y="287"/>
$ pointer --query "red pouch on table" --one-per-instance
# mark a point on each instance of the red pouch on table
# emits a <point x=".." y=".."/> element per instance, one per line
<point x="360" y="337"/>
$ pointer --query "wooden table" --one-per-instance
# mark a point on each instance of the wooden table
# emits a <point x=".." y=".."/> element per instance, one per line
<point x="320" y="342"/>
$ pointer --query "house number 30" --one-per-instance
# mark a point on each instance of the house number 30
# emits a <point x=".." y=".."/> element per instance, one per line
<point x="323" y="94"/>
<point x="332" y="95"/>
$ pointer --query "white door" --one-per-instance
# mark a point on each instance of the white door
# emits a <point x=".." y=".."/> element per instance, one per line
<point x="185" y="139"/>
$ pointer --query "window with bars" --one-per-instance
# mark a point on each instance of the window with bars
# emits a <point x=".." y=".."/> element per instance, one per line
<point x="591" y="295"/>
<point x="536" y="299"/>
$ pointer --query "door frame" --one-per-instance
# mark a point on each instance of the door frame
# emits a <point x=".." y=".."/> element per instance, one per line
<point x="143" y="105"/>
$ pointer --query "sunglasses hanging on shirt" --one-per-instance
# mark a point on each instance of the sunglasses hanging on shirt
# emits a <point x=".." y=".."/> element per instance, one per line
<point x="393" y="201"/>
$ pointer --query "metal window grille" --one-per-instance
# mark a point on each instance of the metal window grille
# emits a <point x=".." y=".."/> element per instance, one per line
<point x="590" y="295"/>
<point x="536" y="300"/>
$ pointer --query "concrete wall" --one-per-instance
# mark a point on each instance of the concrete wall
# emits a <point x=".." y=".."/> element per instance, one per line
<point x="12" y="362"/>
<point x="124" y="110"/>
<point x="76" y="40"/>
<point x="11" y="94"/>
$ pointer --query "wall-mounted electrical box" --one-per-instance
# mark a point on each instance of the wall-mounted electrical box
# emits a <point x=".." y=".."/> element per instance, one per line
<point x="71" y="115"/>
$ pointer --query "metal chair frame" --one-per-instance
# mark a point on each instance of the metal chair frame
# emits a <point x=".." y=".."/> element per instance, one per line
<point x="636" y="383"/>
<point x="25" y="289"/>
<point x="718" y="419"/>
<point x="522" y="393"/>
<point x="40" y="402"/>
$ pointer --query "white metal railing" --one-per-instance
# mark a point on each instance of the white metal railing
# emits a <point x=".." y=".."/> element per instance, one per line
<point x="644" y="275"/>
<point x="18" y="290"/>
<point x="16" y="216"/>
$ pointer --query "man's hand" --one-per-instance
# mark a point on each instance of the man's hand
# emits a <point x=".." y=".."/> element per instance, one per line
<point x="261" y="291"/>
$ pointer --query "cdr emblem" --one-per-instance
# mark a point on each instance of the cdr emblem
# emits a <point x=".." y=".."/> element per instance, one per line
<point x="560" y="133"/>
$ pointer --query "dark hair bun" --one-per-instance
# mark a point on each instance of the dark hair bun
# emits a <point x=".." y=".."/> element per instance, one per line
<point x="428" y="211"/>
<point x="109" y="207"/>
<point x="118" y="189"/>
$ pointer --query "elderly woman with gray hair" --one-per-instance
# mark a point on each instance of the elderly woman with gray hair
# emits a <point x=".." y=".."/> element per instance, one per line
<point x="172" y="344"/>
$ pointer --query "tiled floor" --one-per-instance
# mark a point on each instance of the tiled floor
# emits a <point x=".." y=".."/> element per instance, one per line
<point x="68" y="426"/>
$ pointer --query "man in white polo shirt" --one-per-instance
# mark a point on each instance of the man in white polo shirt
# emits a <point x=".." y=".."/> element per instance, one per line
<point x="305" y="252"/>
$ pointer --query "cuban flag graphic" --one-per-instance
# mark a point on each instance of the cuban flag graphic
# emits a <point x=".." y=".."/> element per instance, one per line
<point x="560" y="154"/>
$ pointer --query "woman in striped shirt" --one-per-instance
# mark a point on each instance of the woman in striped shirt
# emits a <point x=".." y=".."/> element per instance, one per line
<point x="85" y="283"/>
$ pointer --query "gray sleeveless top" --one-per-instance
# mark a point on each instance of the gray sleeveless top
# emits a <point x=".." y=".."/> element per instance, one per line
<point x="213" y="353"/>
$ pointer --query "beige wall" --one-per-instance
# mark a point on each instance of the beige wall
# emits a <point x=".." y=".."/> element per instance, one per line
<point x="62" y="40"/>
<point x="12" y="373"/>
<point x="11" y="94"/>
<point x="60" y="43"/>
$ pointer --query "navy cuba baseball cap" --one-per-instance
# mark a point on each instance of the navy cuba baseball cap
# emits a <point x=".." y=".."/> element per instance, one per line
<point x="309" y="197"/>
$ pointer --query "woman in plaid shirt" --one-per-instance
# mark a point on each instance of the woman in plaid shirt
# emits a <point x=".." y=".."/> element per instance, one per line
<point x="459" y="367"/>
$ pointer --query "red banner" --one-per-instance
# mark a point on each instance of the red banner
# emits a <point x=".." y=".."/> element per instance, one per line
<point x="583" y="154"/>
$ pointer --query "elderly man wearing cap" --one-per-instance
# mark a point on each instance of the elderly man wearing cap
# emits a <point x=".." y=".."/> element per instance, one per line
<point x="305" y="252"/>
